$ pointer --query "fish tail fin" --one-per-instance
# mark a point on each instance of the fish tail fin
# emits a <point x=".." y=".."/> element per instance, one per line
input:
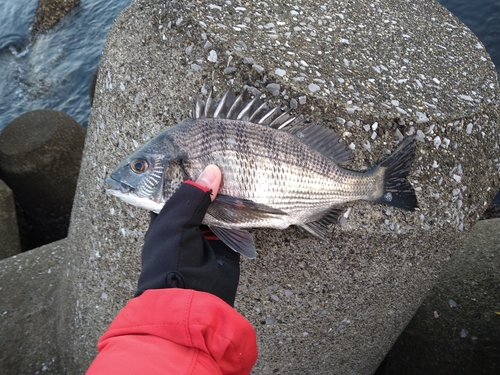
<point x="398" y="191"/>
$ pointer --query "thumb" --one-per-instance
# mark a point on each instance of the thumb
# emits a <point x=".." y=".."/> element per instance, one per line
<point x="211" y="178"/>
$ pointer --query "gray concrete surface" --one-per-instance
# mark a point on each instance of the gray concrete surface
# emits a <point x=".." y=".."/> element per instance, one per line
<point x="28" y="305"/>
<point x="457" y="328"/>
<point x="373" y="72"/>
<point x="9" y="234"/>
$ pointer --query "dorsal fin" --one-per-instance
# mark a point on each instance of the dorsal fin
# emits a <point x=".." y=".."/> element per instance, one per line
<point x="323" y="140"/>
<point x="210" y="106"/>
<point x="237" y="105"/>
<point x="241" y="108"/>
<point x="225" y="104"/>
<point x="285" y="119"/>
<point x="199" y="107"/>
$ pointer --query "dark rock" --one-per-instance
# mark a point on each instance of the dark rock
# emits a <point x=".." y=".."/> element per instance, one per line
<point x="9" y="234"/>
<point x="50" y="12"/>
<point x="40" y="155"/>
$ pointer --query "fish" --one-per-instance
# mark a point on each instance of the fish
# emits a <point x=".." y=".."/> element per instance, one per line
<point x="278" y="170"/>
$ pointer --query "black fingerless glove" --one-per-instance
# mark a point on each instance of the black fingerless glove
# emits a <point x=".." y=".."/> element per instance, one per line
<point x="177" y="255"/>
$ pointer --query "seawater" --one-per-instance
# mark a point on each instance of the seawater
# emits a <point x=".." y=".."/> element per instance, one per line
<point x="53" y="70"/>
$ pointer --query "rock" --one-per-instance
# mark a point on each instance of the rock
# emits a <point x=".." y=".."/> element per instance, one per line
<point x="9" y="234"/>
<point x="40" y="154"/>
<point x="92" y="83"/>
<point x="28" y="305"/>
<point x="50" y="12"/>
<point x="457" y="330"/>
<point x="377" y="64"/>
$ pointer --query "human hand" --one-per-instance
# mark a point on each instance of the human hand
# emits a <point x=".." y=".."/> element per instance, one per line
<point x="177" y="255"/>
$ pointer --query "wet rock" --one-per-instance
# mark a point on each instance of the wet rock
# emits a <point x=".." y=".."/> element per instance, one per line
<point x="9" y="234"/>
<point x="463" y="336"/>
<point x="50" y="12"/>
<point x="40" y="154"/>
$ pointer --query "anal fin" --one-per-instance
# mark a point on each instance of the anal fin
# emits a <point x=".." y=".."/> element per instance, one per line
<point x="321" y="228"/>
<point x="238" y="240"/>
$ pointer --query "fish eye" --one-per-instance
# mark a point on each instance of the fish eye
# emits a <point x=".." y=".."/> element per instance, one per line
<point x="139" y="165"/>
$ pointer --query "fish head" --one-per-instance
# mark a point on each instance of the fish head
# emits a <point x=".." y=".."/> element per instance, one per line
<point x="140" y="178"/>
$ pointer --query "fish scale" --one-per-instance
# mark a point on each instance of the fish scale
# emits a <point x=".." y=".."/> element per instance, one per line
<point x="313" y="172"/>
<point x="271" y="178"/>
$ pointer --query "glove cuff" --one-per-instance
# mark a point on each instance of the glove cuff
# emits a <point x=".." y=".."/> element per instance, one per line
<point x="201" y="187"/>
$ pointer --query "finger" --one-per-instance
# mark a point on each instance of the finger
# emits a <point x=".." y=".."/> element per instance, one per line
<point x="211" y="178"/>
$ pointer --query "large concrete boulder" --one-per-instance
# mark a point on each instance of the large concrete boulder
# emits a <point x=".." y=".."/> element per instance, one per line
<point x="373" y="71"/>
<point x="9" y="234"/>
<point x="40" y="154"/>
<point x="457" y="328"/>
<point x="29" y="284"/>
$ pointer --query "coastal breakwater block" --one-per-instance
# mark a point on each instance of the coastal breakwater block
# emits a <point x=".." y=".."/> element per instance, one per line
<point x="457" y="328"/>
<point x="9" y="234"/>
<point x="29" y="284"/>
<point x="374" y="72"/>
<point x="50" y="12"/>
<point x="40" y="154"/>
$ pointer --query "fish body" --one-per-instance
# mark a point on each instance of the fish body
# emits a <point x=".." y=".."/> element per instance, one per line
<point x="271" y="178"/>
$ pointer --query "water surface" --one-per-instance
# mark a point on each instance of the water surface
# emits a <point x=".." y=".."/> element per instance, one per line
<point x="53" y="71"/>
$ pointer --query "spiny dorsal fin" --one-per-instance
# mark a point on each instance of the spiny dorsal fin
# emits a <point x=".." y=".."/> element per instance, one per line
<point x="323" y="140"/>
<point x="225" y="104"/>
<point x="199" y="107"/>
<point x="242" y="108"/>
<point x="210" y="106"/>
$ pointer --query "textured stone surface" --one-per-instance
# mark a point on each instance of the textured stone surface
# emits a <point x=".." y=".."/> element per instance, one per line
<point x="50" y="12"/>
<point x="40" y="154"/>
<point x="9" y="234"/>
<point x="457" y="329"/>
<point x="374" y="72"/>
<point x="28" y="302"/>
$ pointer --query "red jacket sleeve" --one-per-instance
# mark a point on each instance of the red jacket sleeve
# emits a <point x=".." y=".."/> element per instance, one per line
<point x="176" y="331"/>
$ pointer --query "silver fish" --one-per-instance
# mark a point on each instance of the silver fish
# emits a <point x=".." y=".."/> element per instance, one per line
<point x="271" y="178"/>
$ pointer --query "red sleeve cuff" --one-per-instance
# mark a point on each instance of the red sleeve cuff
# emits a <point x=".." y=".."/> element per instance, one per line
<point x="201" y="187"/>
<point x="177" y="331"/>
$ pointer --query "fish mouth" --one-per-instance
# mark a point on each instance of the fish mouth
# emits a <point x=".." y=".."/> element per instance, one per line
<point x="117" y="185"/>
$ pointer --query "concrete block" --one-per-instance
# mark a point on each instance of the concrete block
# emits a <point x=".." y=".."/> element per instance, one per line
<point x="40" y="153"/>
<point x="457" y="328"/>
<point x="50" y="12"/>
<point x="28" y="306"/>
<point x="9" y="233"/>
<point x="374" y="74"/>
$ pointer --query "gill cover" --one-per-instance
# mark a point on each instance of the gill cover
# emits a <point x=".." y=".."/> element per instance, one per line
<point x="142" y="173"/>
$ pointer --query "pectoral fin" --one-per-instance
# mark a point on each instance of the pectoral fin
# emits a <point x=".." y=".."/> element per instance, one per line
<point x="237" y="210"/>
<point x="237" y="239"/>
